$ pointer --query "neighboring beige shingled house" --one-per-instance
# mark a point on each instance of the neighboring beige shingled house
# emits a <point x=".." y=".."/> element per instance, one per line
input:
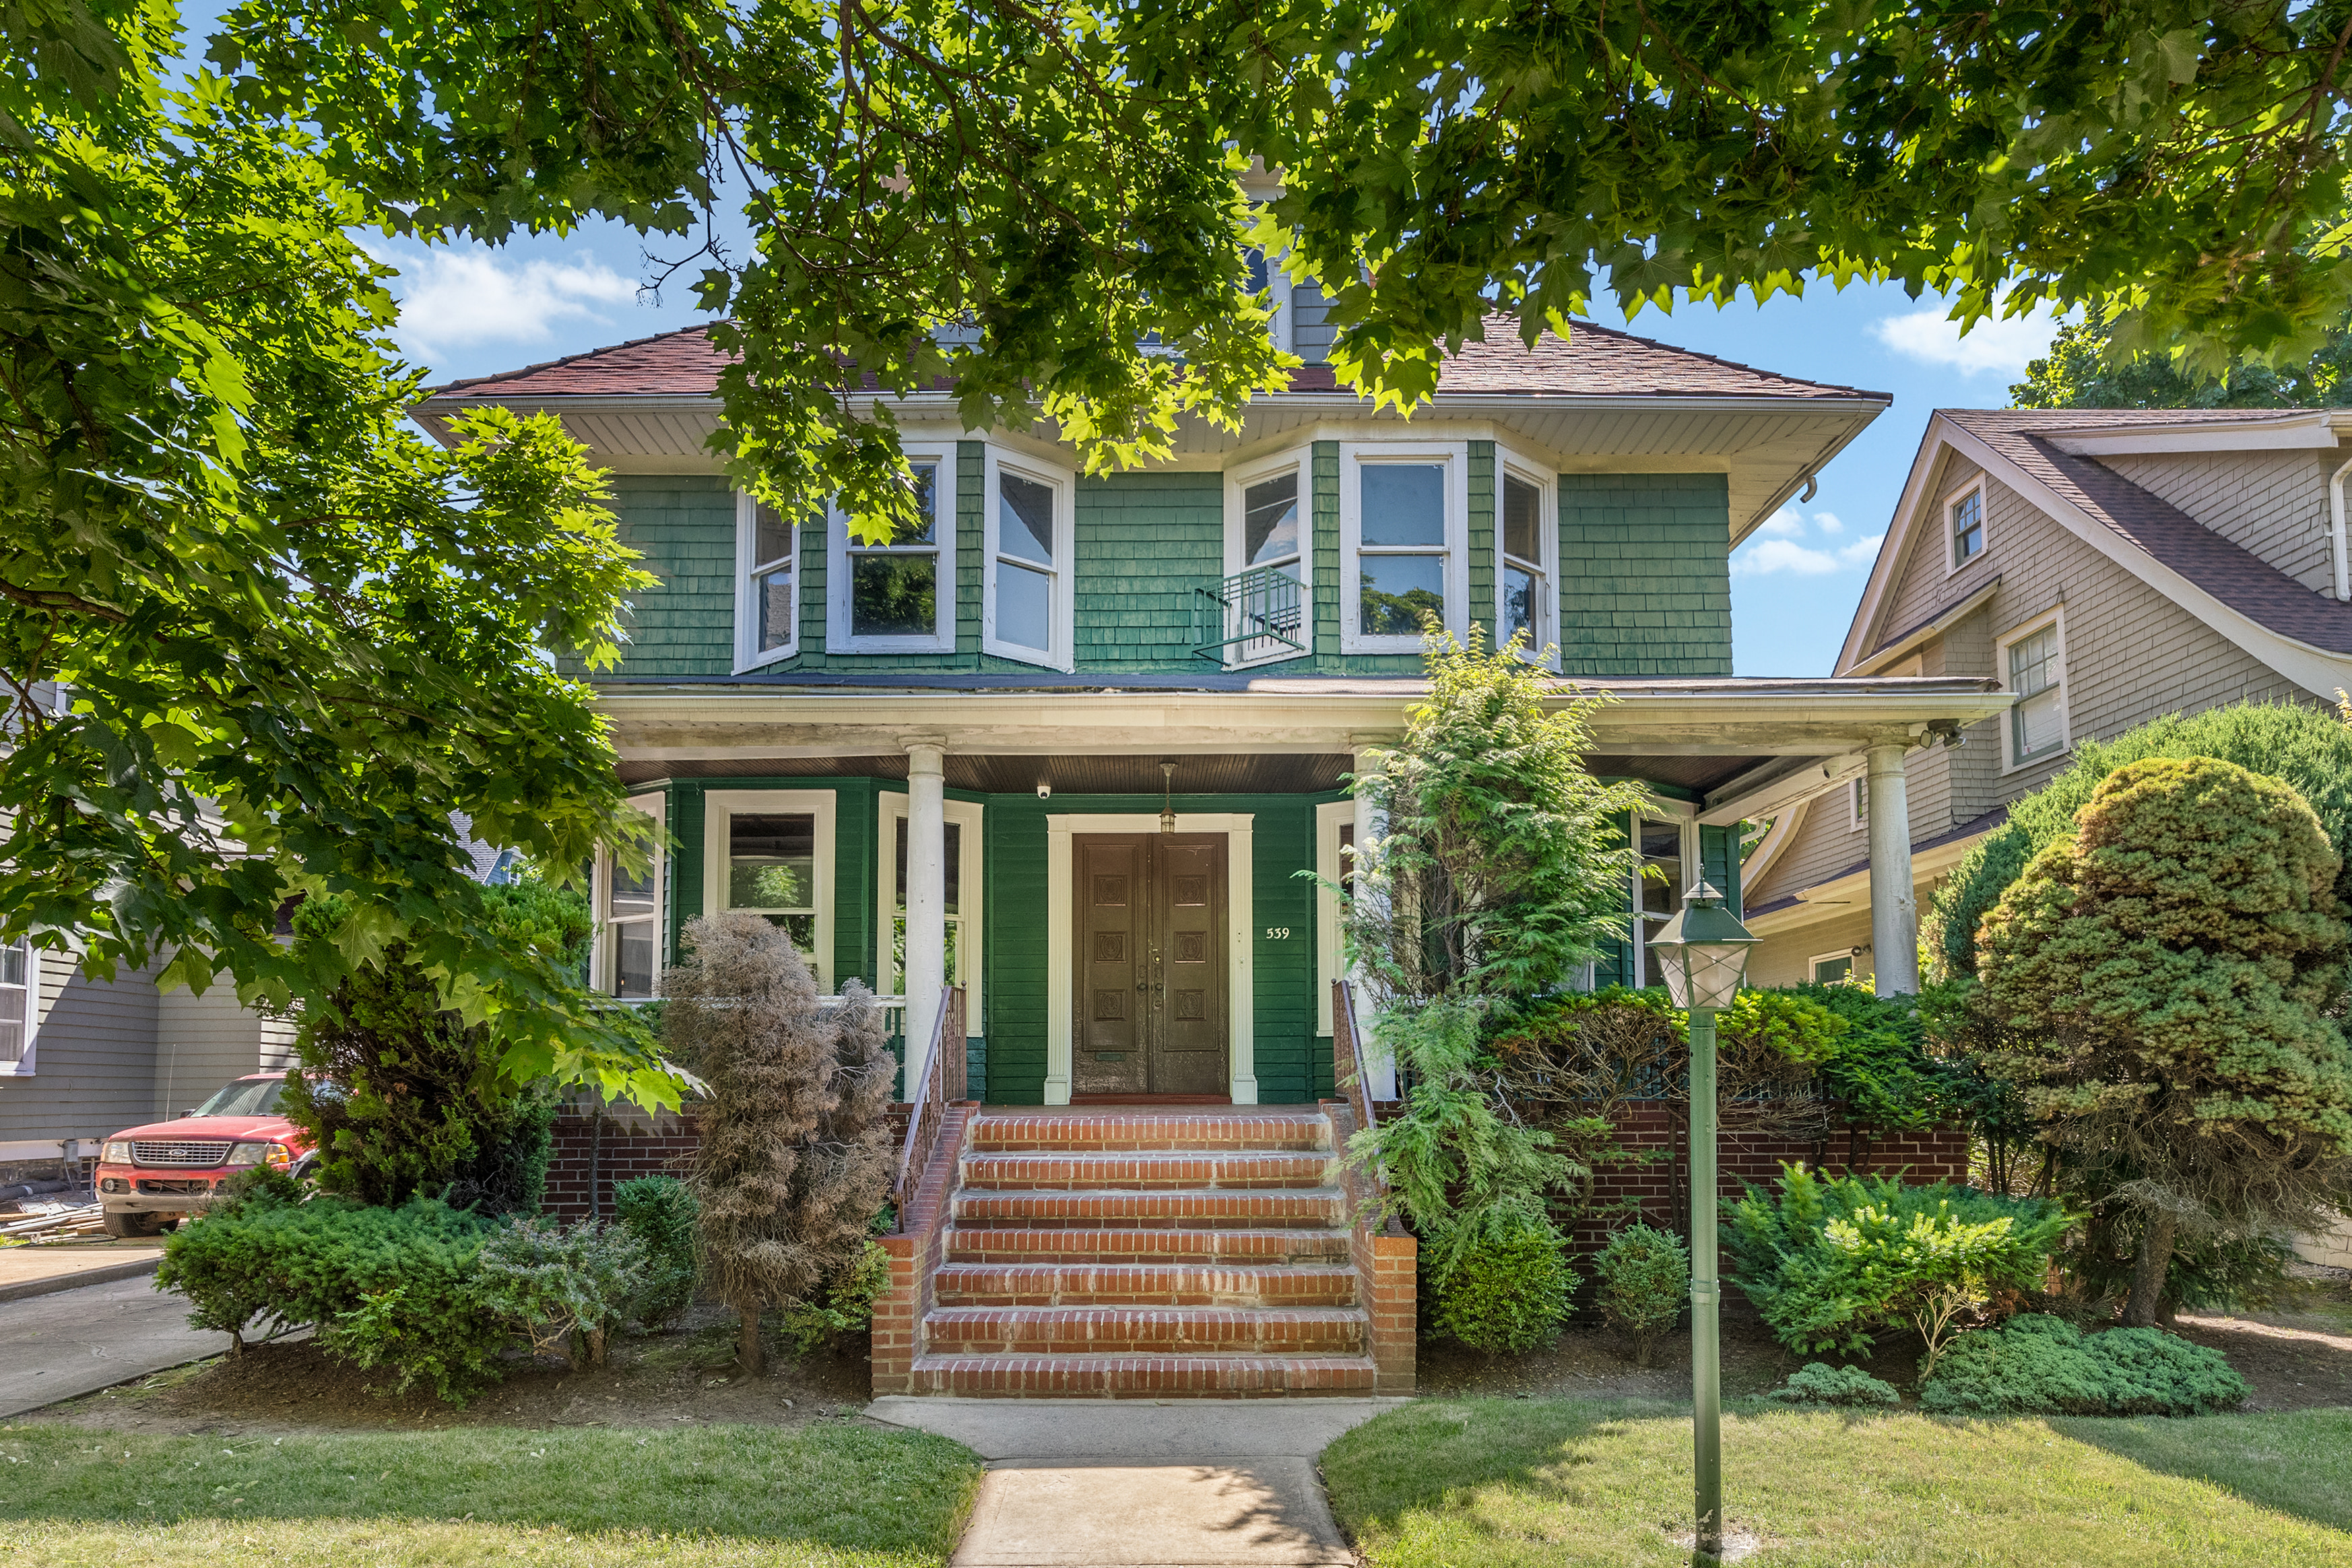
<point x="2109" y="567"/>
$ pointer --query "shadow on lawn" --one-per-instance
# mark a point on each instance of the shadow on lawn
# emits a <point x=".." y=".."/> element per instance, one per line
<point x="2298" y="1462"/>
<point x="834" y="1484"/>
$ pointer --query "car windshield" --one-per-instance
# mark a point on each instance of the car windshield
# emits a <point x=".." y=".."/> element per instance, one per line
<point x="246" y="1097"/>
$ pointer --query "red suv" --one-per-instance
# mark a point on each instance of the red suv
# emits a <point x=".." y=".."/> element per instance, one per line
<point x="167" y="1170"/>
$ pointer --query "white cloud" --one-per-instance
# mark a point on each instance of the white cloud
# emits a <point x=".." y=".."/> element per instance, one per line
<point x="1997" y="344"/>
<point x="1827" y="522"/>
<point x="1862" y="551"/>
<point x="1782" y="525"/>
<point x="454" y="298"/>
<point x="1768" y="556"/>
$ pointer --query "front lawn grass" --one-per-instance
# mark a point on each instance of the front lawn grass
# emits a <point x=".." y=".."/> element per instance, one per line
<point x="828" y="1495"/>
<point x="1503" y="1482"/>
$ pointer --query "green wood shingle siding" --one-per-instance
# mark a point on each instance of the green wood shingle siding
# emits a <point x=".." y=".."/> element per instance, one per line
<point x="1645" y="573"/>
<point x="684" y="525"/>
<point x="1482" y="539"/>
<point x="1144" y="542"/>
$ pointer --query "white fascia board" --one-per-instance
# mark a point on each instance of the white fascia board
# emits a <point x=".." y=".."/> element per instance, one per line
<point x="1785" y="828"/>
<point x="2282" y="433"/>
<point x="2314" y="669"/>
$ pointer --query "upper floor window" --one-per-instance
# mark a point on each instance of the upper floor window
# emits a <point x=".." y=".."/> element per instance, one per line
<point x="1403" y="541"/>
<point x="1026" y="609"/>
<point x="898" y="597"/>
<point x="20" y="986"/>
<point x="1526" y="601"/>
<point x="767" y="608"/>
<point x="628" y="961"/>
<point x="769" y="853"/>
<point x="1964" y="519"/>
<point x="2034" y="660"/>
<point x="1266" y="615"/>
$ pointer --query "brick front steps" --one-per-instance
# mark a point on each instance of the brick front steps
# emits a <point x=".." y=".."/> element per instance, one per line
<point x="1141" y="1252"/>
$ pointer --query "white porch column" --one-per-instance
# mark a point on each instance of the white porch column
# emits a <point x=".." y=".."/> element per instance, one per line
<point x="927" y="909"/>
<point x="1372" y="823"/>
<point x="1894" y="904"/>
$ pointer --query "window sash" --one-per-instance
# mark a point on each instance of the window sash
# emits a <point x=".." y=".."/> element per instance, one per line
<point x="1379" y="625"/>
<point x="1965" y="517"/>
<point x="1037" y="592"/>
<point x="2036" y="726"/>
<point x="15" y="999"/>
<point x="767" y="593"/>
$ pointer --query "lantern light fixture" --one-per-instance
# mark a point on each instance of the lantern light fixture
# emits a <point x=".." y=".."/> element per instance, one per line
<point x="1703" y="950"/>
<point x="1167" y="800"/>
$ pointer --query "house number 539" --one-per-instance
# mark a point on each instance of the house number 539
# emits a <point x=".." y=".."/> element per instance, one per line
<point x="1278" y="933"/>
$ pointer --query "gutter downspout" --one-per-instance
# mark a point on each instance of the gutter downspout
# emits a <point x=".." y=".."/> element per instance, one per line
<point x="2339" y="534"/>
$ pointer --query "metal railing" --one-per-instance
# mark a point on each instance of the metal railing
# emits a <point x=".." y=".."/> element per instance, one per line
<point x="929" y="1102"/>
<point x="1355" y="1081"/>
<point x="1253" y="612"/>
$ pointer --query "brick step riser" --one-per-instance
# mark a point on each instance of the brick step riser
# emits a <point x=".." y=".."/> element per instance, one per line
<point x="1220" y="1135"/>
<point x="1112" y="1178"/>
<point x="1140" y="1377"/>
<point x="1198" y="1339"/>
<point x="1032" y="1245"/>
<point x="1190" y="1209"/>
<point x="1117" y="1287"/>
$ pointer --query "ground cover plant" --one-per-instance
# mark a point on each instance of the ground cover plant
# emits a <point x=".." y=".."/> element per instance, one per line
<point x="2037" y="1365"/>
<point x="1818" y="1383"/>
<point x="833" y="1494"/>
<point x="1566" y="1483"/>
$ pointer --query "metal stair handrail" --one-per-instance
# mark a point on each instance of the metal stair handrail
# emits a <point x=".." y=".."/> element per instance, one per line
<point x="927" y="1113"/>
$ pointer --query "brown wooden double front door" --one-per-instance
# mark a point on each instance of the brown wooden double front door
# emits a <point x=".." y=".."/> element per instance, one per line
<point x="1150" y="1014"/>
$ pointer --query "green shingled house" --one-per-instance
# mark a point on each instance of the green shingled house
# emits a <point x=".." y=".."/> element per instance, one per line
<point x="977" y="732"/>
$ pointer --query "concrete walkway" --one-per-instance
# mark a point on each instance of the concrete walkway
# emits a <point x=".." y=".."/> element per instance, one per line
<point x="73" y="1341"/>
<point x="1194" y="1483"/>
<point x="68" y="1266"/>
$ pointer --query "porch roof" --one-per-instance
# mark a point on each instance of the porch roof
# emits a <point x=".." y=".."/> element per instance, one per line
<point x="1734" y="747"/>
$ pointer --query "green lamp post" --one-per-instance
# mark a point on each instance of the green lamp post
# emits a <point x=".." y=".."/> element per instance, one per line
<point x="1704" y="952"/>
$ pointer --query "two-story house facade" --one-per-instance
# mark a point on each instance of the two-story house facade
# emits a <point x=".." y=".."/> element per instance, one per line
<point x="1116" y="714"/>
<point x="2106" y="568"/>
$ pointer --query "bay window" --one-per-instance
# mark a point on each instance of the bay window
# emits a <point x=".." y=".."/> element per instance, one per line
<point x="1526" y="530"/>
<point x="1266" y="542"/>
<point x="1403" y="539"/>
<point x="898" y="596"/>
<point x="767" y="606"/>
<point x="1031" y="533"/>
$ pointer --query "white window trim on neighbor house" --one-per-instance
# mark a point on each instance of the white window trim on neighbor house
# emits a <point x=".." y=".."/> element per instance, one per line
<point x="22" y="1066"/>
<point x="2010" y="760"/>
<point x="1354" y="456"/>
<point x="967" y="816"/>
<point x="1240" y="911"/>
<point x="1064" y="483"/>
<point x="1848" y="955"/>
<point x="720" y="809"/>
<point x="1953" y="562"/>
<point x="749" y="655"/>
<point x="1237" y="483"/>
<point x="602" y="962"/>
<point x="1511" y="465"/>
<point x="1331" y="818"/>
<point x="839" y="635"/>
<point x="1857" y="804"/>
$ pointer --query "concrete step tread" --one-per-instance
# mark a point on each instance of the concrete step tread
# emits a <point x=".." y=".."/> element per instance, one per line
<point x="1035" y="1245"/>
<point x="1148" y="1315"/>
<point x="1139" y="1376"/>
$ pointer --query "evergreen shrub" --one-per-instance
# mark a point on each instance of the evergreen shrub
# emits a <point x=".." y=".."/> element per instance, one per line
<point x="659" y="1211"/>
<point x="556" y="1281"/>
<point x="1832" y="1260"/>
<point x="1509" y="1289"/>
<point x="843" y="1307"/>
<point x="1818" y="1383"/>
<point x="392" y="1287"/>
<point x="1645" y="1284"/>
<point x="2040" y="1365"/>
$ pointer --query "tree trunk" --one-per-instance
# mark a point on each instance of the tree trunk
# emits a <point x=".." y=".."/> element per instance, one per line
<point x="2149" y="1266"/>
<point x="597" y="1345"/>
<point x="750" y="1354"/>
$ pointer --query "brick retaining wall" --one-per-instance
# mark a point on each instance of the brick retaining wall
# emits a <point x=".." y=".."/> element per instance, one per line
<point x="625" y="1144"/>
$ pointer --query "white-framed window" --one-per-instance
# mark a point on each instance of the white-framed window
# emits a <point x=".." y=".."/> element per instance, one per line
<point x="897" y="597"/>
<point x="1527" y="535"/>
<point x="1268" y="527"/>
<point x="767" y="584"/>
<point x="963" y="888"/>
<point x="1027" y="608"/>
<point x="20" y="1005"/>
<point x="1668" y="855"/>
<point x="1830" y="968"/>
<point x="627" y="958"/>
<point x="1964" y="525"/>
<point x="2033" y="665"/>
<point x="1857" y="804"/>
<point x="1404" y="535"/>
<point x="771" y="852"/>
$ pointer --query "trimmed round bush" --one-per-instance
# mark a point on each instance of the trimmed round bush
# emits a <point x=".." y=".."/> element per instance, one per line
<point x="2041" y="1365"/>
<point x="1645" y="1284"/>
<point x="1510" y="1290"/>
<point x="1819" y="1382"/>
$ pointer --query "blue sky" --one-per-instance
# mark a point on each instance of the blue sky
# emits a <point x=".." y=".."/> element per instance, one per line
<point x="472" y="310"/>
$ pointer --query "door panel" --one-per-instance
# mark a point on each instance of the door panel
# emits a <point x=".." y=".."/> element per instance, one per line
<point x="1188" y="1054"/>
<point x="1151" y="1013"/>
<point x="1108" y="1055"/>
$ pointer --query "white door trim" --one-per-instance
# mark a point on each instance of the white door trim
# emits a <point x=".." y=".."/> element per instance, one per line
<point x="1238" y="828"/>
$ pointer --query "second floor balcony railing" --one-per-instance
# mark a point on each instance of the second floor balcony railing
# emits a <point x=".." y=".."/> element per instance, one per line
<point x="1249" y="616"/>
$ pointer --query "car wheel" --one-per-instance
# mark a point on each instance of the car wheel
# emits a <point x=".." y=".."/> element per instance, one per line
<point x="121" y="1223"/>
